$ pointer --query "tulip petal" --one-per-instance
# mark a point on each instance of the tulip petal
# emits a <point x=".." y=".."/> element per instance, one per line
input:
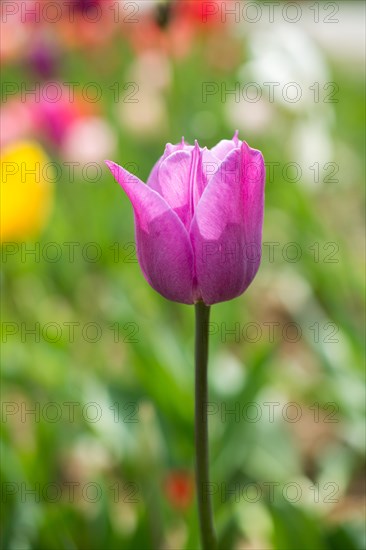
<point x="182" y="182"/>
<point x="227" y="226"/>
<point x="173" y="176"/>
<point x="210" y="164"/>
<point x="225" y="146"/>
<point x="153" y="179"/>
<point x="163" y="246"/>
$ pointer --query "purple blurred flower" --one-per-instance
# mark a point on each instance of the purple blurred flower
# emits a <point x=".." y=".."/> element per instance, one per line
<point x="85" y="5"/>
<point x="43" y="58"/>
<point x="199" y="220"/>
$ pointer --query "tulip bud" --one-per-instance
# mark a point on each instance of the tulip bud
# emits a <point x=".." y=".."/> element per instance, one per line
<point x="199" y="219"/>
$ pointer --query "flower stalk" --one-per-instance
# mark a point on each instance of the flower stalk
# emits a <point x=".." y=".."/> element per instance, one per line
<point x="207" y="530"/>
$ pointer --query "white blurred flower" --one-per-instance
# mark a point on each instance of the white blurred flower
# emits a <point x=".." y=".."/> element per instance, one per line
<point x="151" y="70"/>
<point x="254" y="117"/>
<point x="340" y="31"/>
<point x="147" y="6"/>
<point x="146" y="117"/>
<point x="228" y="375"/>
<point x="311" y="147"/>
<point x="287" y="61"/>
<point x="89" y="139"/>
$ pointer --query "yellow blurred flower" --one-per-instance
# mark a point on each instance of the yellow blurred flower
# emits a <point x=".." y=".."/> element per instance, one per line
<point x="26" y="190"/>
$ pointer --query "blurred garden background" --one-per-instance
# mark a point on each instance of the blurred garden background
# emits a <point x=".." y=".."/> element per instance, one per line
<point x="97" y="369"/>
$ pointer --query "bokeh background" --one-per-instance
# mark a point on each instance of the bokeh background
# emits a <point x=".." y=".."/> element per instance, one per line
<point x="97" y="369"/>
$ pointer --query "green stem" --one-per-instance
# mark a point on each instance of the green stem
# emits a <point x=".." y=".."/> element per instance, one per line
<point x="208" y="535"/>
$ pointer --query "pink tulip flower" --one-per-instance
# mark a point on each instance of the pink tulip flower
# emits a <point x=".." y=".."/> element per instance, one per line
<point x="198" y="221"/>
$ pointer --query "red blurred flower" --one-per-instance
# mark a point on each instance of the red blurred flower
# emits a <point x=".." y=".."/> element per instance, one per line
<point x="172" y="26"/>
<point x="87" y="23"/>
<point x="179" y="489"/>
<point x="202" y="12"/>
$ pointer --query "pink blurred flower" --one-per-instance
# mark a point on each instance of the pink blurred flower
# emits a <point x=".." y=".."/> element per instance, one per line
<point x="53" y="119"/>
<point x="16" y="121"/>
